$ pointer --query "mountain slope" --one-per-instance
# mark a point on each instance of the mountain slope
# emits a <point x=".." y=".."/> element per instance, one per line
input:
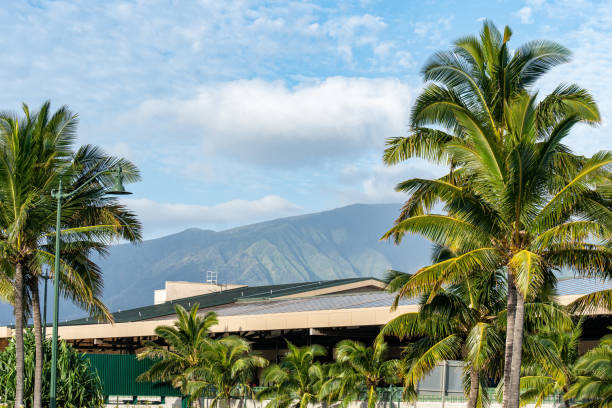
<point x="334" y="244"/>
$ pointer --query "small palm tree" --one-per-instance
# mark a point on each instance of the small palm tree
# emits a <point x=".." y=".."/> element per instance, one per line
<point x="188" y="341"/>
<point x="593" y="386"/>
<point x="227" y="368"/>
<point x="359" y="367"/>
<point x="459" y="321"/>
<point x="297" y="380"/>
<point x="540" y="379"/>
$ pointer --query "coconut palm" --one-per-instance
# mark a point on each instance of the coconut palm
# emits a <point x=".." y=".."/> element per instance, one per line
<point x="523" y="204"/>
<point x="459" y="321"/>
<point x="539" y="380"/>
<point x="593" y="386"/>
<point x="227" y="369"/>
<point x="183" y="349"/>
<point x="37" y="152"/>
<point x="478" y="78"/>
<point x="297" y="380"/>
<point x="361" y="368"/>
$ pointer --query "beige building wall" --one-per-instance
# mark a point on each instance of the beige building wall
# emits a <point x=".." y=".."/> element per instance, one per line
<point x="177" y="290"/>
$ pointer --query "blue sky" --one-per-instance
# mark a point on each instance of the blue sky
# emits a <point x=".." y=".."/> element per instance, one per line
<point x="241" y="111"/>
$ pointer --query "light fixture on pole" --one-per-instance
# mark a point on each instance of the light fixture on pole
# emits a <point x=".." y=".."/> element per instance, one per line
<point x="117" y="189"/>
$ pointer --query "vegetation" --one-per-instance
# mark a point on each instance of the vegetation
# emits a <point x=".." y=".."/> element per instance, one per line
<point x="297" y="380"/>
<point x="228" y="371"/>
<point x="515" y="207"/>
<point x="540" y="379"/>
<point x="78" y="384"/>
<point x="593" y="385"/>
<point x="515" y="199"/>
<point x="457" y="322"/>
<point x="188" y="340"/>
<point x="38" y="150"/>
<point x="360" y="368"/>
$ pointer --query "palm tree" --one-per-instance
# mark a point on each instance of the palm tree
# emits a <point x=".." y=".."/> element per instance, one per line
<point x="297" y="380"/>
<point x="37" y="152"/>
<point x="183" y="350"/>
<point x="593" y="386"/>
<point x="359" y="367"/>
<point x="478" y="78"/>
<point x="540" y="379"/>
<point x="460" y="321"/>
<point x="228" y="367"/>
<point x="523" y="204"/>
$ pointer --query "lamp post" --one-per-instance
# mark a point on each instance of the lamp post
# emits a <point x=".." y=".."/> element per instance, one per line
<point x="117" y="189"/>
<point x="46" y="277"/>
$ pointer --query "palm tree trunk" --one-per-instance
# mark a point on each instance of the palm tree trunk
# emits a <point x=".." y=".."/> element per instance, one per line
<point x="19" y="383"/>
<point x="38" y="340"/>
<point x="474" y="388"/>
<point x="517" y="353"/>
<point x="511" y="314"/>
<point x="371" y="397"/>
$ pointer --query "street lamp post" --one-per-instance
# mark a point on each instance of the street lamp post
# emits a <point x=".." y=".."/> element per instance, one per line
<point x="60" y="196"/>
<point x="46" y="277"/>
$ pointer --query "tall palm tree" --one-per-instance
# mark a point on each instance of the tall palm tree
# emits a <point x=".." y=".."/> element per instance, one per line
<point x="478" y="78"/>
<point x="37" y="152"/>
<point x="593" y="386"/>
<point x="359" y="367"/>
<point x="297" y="380"/>
<point x="183" y="350"/>
<point x="523" y="204"/>
<point x="229" y="365"/>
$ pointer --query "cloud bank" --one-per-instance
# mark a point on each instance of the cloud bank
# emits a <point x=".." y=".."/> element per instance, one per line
<point x="271" y="123"/>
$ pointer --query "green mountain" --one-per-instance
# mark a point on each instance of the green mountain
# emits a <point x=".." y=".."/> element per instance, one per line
<point x="340" y="243"/>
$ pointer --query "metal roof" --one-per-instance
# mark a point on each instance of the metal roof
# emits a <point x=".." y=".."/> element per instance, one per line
<point x="582" y="286"/>
<point x="325" y="302"/>
<point x="211" y="300"/>
<point x="269" y="299"/>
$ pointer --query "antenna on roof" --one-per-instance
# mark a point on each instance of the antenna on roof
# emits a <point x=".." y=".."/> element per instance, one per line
<point x="211" y="277"/>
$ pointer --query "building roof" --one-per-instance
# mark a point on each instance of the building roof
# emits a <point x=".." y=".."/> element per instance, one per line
<point x="581" y="286"/>
<point x="231" y="296"/>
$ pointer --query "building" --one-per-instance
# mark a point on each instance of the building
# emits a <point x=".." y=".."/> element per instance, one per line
<point x="322" y="312"/>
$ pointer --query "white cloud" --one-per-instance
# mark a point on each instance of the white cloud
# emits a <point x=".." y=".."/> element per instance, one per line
<point x="590" y="62"/>
<point x="160" y="219"/>
<point x="525" y="14"/>
<point x="354" y="31"/>
<point x="376" y="183"/>
<point x="434" y="30"/>
<point x="270" y="123"/>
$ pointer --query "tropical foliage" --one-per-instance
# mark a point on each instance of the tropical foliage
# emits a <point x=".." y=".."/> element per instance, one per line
<point x="39" y="151"/>
<point x="515" y="199"/>
<point x="188" y="340"/>
<point x="361" y="369"/>
<point x="297" y="380"/>
<point x="228" y="370"/>
<point x="540" y="379"/>
<point x="78" y="384"/>
<point x="457" y="322"/>
<point x="593" y="385"/>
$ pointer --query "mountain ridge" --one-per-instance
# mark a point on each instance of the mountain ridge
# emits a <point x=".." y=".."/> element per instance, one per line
<point x="338" y="243"/>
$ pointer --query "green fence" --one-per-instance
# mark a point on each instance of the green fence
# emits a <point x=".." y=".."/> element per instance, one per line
<point x="118" y="373"/>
